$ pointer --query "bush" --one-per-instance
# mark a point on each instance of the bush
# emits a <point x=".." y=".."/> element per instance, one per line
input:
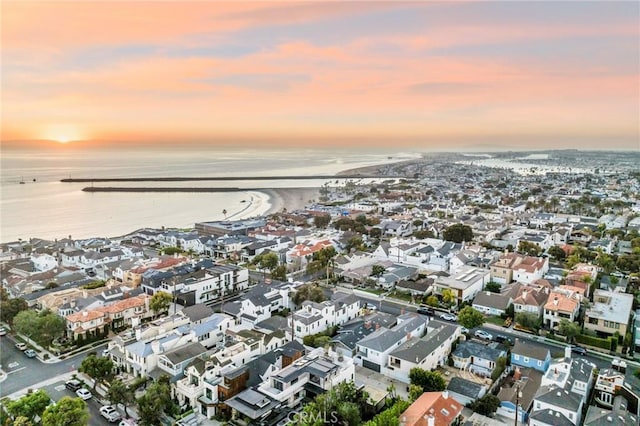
<point x="594" y="341"/>
<point x="94" y="284"/>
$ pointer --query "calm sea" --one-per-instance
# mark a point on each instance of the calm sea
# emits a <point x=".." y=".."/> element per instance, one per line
<point x="43" y="207"/>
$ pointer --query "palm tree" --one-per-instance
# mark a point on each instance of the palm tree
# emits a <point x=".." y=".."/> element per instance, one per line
<point x="448" y="297"/>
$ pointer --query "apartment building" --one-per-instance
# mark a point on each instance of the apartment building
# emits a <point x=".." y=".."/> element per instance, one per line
<point x="610" y="313"/>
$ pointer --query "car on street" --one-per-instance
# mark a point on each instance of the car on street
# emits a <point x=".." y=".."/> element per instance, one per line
<point x="127" y="422"/>
<point x="504" y="339"/>
<point x="481" y="334"/>
<point x="21" y="346"/>
<point x="371" y="306"/>
<point x="3" y="331"/>
<point x="83" y="393"/>
<point x="448" y="317"/>
<point x="424" y="310"/>
<point x="464" y="330"/>
<point x="578" y="350"/>
<point x="30" y="353"/>
<point x="110" y="413"/>
<point x="73" y="385"/>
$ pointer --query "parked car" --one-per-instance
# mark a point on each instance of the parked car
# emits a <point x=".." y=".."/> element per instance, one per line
<point x="448" y="317"/>
<point x="83" y="393"/>
<point x="110" y="413"/>
<point x="3" y="331"/>
<point x="464" y="330"/>
<point x="127" y="422"/>
<point x="483" y="335"/>
<point x="578" y="350"/>
<point x="21" y="346"/>
<point x="73" y="385"/>
<point x="504" y="339"/>
<point x="425" y="310"/>
<point x="30" y="353"/>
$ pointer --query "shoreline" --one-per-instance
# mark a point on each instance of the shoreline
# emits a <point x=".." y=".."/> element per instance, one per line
<point x="289" y="198"/>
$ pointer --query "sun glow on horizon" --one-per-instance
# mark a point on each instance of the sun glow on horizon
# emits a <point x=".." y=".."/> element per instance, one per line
<point x="62" y="133"/>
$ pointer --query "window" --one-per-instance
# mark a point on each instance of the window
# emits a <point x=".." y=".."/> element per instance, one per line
<point x="525" y="359"/>
<point x="516" y="357"/>
<point x="593" y="320"/>
<point x="539" y="363"/>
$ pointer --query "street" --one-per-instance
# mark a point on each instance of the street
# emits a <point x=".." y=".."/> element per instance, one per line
<point x="57" y="390"/>
<point x="23" y="372"/>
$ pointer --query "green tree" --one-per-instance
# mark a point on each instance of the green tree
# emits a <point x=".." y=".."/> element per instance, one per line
<point x="470" y="318"/>
<point x="528" y="320"/>
<point x="279" y="273"/>
<point x="321" y="221"/>
<point x="493" y="287"/>
<point x="160" y="302"/>
<point x="568" y="329"/>
<point x="429" y="381"/>
<point x="448" y="297"/>
<point x="66" y="412"/>
<point x="10" y="307"/>
<point x="458" y="233"/>
<point x="355" y="243"/>
<point x="529" y="248"/>
<point x="501" y="364"/>
<point x="343" y="405"/>
<point x="30" y="406"/>
<point x="43" y="327"/>
<point x="308" y="292"/>
<point x="487" y="405"/>
<point x="557" y="253"/>
<point x="377" y="271"/>
<point x="432" y="300"/>
<point x="414" y="392"/>
<point x="98" y="368"/>
<point x="155" y="401"/>
<point x="21" y="421"/>
<point x="119" y="393"/>
<point x="390" y="416"/>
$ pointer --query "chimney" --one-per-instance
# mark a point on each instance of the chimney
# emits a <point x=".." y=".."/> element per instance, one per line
<point x="155" y="346"/>
<point x="445" y="394"/>
<point x="567" y="352"/>
<point x="85" y="313"/>
<point x="555" y="301"/>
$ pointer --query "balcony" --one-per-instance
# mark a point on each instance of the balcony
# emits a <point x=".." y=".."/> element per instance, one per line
<point x="190" y="391"/>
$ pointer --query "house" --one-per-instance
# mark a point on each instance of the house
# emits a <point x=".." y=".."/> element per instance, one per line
<point x="313" y="318"/>
<point x="465" y="391"/>
<point x="561" y="304"/>
<point x="526" y="354"/>
<point x="563" y="392"/>
<point x="477" y="358"/>
<point x="314" y="373"/>
<point x="86" y="323"/>
<point x="496" y="303"/>
<point x="519" y="389"/>
<point x="531" y="298"/>
<point x="175" y="361"/>
<point x="373" y="350"/>
<point x="618" y="415"/>
<point x="428" y="352"/>
<point x="468" y="282"/>
<point x="432" y="409"/>
<point x="612" y="382"/>
<point x="347" y="337"/>
<point x="609" y="313"/>
<point x="516" y="267"/>
<point x="260" y="302"/>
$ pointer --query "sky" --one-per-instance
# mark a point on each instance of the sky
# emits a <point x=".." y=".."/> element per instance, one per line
<point x="480" y="74"/>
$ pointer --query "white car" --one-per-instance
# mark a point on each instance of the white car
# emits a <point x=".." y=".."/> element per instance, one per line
<point x="83" y="393"/>
<point x="464" y="330"/>
<point x="483" y="335"/>
<point x="110" y="413"/>
<point x="448" y="317"/>
<point x="21" y="346"/>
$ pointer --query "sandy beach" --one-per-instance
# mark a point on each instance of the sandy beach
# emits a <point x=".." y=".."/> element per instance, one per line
<point x="291" y="198"/>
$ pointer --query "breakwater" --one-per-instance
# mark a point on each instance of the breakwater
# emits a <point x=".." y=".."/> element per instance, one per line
<point x="162" y="189"/>
<point x="221" y="178"/>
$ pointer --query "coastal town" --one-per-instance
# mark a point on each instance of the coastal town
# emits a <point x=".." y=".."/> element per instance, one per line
<point x="454" y="289"/>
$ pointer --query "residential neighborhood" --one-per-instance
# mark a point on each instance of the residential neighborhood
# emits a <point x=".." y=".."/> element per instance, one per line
<point x="458" y="294"/>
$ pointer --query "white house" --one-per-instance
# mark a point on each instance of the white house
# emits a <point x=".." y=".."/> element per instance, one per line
<point x="468" y="282"/>
<point x="428" y="352"/>
<point x="44" y="262"/>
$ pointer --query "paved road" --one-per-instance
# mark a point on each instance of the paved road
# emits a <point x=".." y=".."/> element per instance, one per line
<point x="23" y="372"/>
<point x="57" y="390"/>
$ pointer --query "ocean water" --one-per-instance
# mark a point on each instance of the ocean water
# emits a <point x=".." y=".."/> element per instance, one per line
<point x="44" y="207"/>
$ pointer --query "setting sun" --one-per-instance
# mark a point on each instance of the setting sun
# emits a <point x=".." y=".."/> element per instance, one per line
<point x="62" y="133"/>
